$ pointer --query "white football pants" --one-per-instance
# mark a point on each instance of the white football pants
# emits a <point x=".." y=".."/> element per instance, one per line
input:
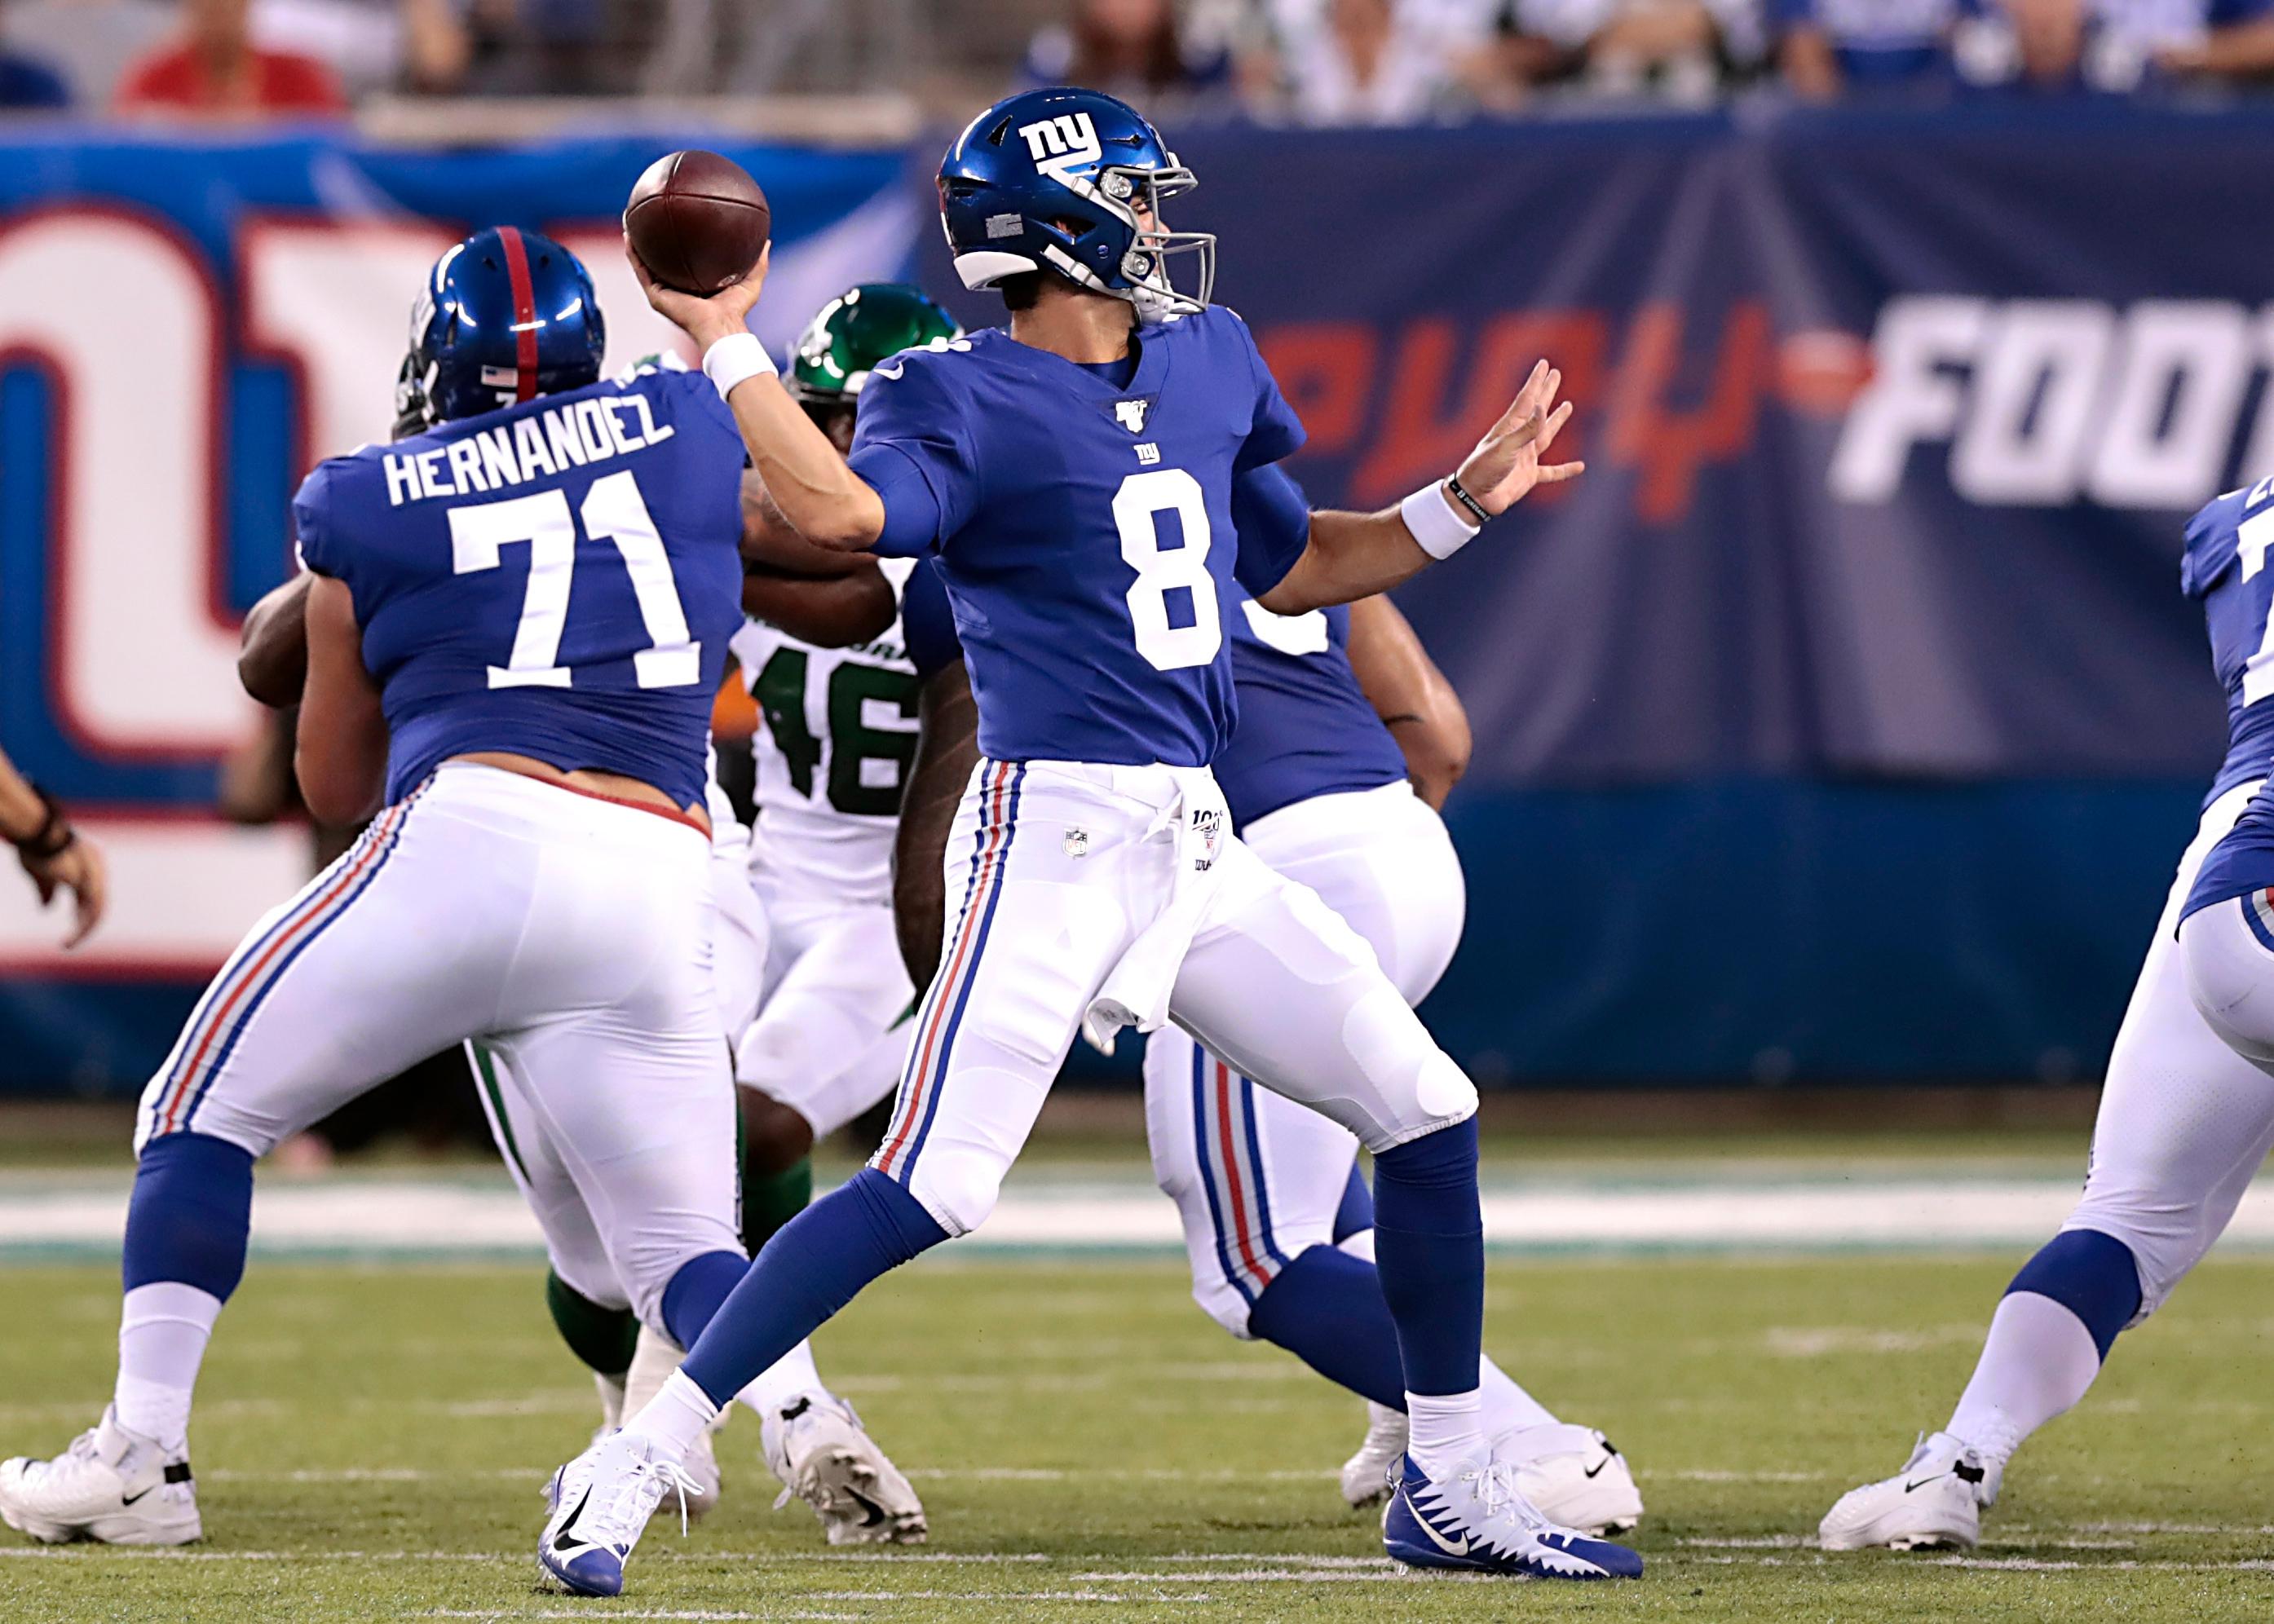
<point x="576" y="1240"/>
<point x="2185" y="1121"/>
<point x="1071" y="874"/>
<point x="832" y="1029"/>
<point x="1257" y="1178"/>
<point x="569" y="933"/>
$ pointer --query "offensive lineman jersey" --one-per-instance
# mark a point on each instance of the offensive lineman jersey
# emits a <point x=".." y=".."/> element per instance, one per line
<point x="2225" y="567"/>
<point x="558" y="579"/>
<point x="840" y="730"/>
<point x="1084" y="530"/>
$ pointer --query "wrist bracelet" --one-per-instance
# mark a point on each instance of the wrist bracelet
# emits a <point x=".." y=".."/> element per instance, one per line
<point x="1437" y="529"/>
<point x="736" y="359"/>
<point x="54" y="836"/>
<point x="1460" y="494"/>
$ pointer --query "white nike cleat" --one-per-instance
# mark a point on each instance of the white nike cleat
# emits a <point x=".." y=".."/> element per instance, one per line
<point x="1366" y="1474"/>
<point x="111" y="1485"/>
<point x="1935" y="1500"/>
<point x="1475" y="1520"/>
<point x="601" y="1504"/>
<point x="1575" y="1475"/>
<point x="819" y="1450"/>
<point x="654" y="1357"/>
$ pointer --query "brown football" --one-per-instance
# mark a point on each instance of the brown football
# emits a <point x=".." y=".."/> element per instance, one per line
<point x="698" y="220"/>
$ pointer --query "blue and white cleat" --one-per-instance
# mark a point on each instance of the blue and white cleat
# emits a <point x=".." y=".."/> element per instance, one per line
<point x="601" y="1504"/>
<point x="1476" y="1521"/>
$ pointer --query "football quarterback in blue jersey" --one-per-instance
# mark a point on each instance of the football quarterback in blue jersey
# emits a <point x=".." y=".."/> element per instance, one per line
<point x="1074" y="478"/>
<point x="516" y="618"/>
<point x="1349" y="740"/>
<point x="2187" y="1112"/>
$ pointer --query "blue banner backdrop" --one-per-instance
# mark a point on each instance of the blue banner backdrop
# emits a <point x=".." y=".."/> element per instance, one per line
<point x="1843" y="722"/>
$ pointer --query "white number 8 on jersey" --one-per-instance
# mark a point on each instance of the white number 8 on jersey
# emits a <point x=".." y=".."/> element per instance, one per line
<point x="1137" y="507"/>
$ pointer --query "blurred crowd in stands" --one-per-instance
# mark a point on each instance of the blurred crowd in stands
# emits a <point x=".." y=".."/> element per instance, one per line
<point x="1314" y="62"/>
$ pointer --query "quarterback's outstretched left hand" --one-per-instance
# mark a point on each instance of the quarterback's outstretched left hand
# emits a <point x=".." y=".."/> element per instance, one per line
<point x="1506" y="464"/>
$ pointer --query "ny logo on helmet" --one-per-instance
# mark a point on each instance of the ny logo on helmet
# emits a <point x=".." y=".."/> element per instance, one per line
<point x="1066" y="142"/>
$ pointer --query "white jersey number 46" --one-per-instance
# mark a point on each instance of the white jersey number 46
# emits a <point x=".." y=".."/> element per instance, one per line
<point x="612" y="510"/>
<point x="1137" y="509"/>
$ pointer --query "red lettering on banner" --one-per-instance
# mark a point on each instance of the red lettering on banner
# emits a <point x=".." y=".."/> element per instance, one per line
<point x="1670" y="446"/>
<point x="1420" y="438"/>
<point x="1326" y="371"/>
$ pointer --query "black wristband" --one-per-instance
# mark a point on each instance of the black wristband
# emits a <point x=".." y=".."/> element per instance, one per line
<point x="1476" y="508"/>
<point x="54" y="836"/>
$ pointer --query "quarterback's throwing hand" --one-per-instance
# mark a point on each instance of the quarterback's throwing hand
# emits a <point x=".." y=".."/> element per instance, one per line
<point x="1506" y="463"/>
<point x="705" y="320"/>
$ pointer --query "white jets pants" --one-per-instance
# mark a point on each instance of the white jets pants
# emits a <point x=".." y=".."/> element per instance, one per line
<point x="1257" y="1178"/>
<point x="1062" y="868"/>
<point x="567" y="932"/>
<point x="831" y="1030"/>
<point x="2185" y="1121"/>
<point x="576" y="1243"/>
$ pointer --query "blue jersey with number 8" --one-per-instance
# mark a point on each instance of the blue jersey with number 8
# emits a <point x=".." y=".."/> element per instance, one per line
<point x="1084" y="530"/>
<point x="557" y="579"/>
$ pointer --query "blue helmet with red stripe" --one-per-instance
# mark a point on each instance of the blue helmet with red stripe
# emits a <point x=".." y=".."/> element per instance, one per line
<point x="505" y="316"/>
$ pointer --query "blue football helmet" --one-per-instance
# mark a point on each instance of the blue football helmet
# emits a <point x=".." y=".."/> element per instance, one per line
<point x="505" y="316"/>
<point x="1070" y="181"/>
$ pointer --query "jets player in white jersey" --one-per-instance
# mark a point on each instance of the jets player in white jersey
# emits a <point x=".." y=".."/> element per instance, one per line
<point x="2187" y="1113"/>
<point x="840" y="728"/>
<point x="1073" y="476"/>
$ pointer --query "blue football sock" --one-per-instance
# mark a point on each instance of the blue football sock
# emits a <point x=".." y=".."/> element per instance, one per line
<point x="1327" y="1309"/>
<point x="697" y="1290"/>
<point x="2093" y="1275"/>
<point x="1429" y="1249"/>
<point x="815" y="1264"/>
<point x="1355" y="1215"/>
<point x="190" y="1214"/>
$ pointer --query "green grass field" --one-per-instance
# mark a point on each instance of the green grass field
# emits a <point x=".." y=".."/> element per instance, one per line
<point x="370" y="1441"/>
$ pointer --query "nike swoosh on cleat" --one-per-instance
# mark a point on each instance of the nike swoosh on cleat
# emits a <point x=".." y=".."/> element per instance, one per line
<point x="1597" y="1467"/>
<point x="1922" y="1482"/>
<point x="564" y="1540"/>
<point x="128" y="1500"/>
<point x="876" y="1512"/>
<point x="1436" y="1539"/>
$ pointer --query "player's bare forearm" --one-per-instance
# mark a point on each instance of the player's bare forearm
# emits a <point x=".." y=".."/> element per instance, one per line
<point x="272" y="650"/>
<point x="1412" y="698"/>
<point x="830" y="614"/>
<point x="770" y="540"/>
<point x="1355" y="555"/>
<point x="342" y="754"/>
<point x="947" y="748"/>
<point x="808" y="477"/>
<point x="1352" y="555"/>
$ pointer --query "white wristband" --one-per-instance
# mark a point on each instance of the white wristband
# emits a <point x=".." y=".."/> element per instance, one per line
<point x="736" y="358"/>
<point x="1436" y="529"/>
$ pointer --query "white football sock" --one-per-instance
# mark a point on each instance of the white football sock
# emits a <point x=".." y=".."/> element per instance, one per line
<point x="1508" y="1407"/>
<point x="780" y="1383"/>
<point x="2038" y="1361"/>
<point x="674" y="1418"/>
<point x="1445" y="1430"/>
<point x="163" y="1331"/>
<point x="611" y="1390"/>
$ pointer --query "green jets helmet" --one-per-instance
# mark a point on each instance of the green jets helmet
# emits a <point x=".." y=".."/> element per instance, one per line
<point x="858" y="329"/>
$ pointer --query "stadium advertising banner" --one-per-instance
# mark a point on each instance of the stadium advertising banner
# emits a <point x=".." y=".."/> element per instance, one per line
<point x="1893" y="419"/>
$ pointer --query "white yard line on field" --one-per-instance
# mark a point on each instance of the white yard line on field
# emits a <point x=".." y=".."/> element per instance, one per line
<point x="457" y="1216"/>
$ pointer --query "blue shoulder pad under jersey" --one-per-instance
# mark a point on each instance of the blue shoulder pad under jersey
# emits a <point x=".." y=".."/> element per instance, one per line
<point x="1084" y="530"/>
<point x="2225" y="565"/>
<point x="557" y="579"/>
